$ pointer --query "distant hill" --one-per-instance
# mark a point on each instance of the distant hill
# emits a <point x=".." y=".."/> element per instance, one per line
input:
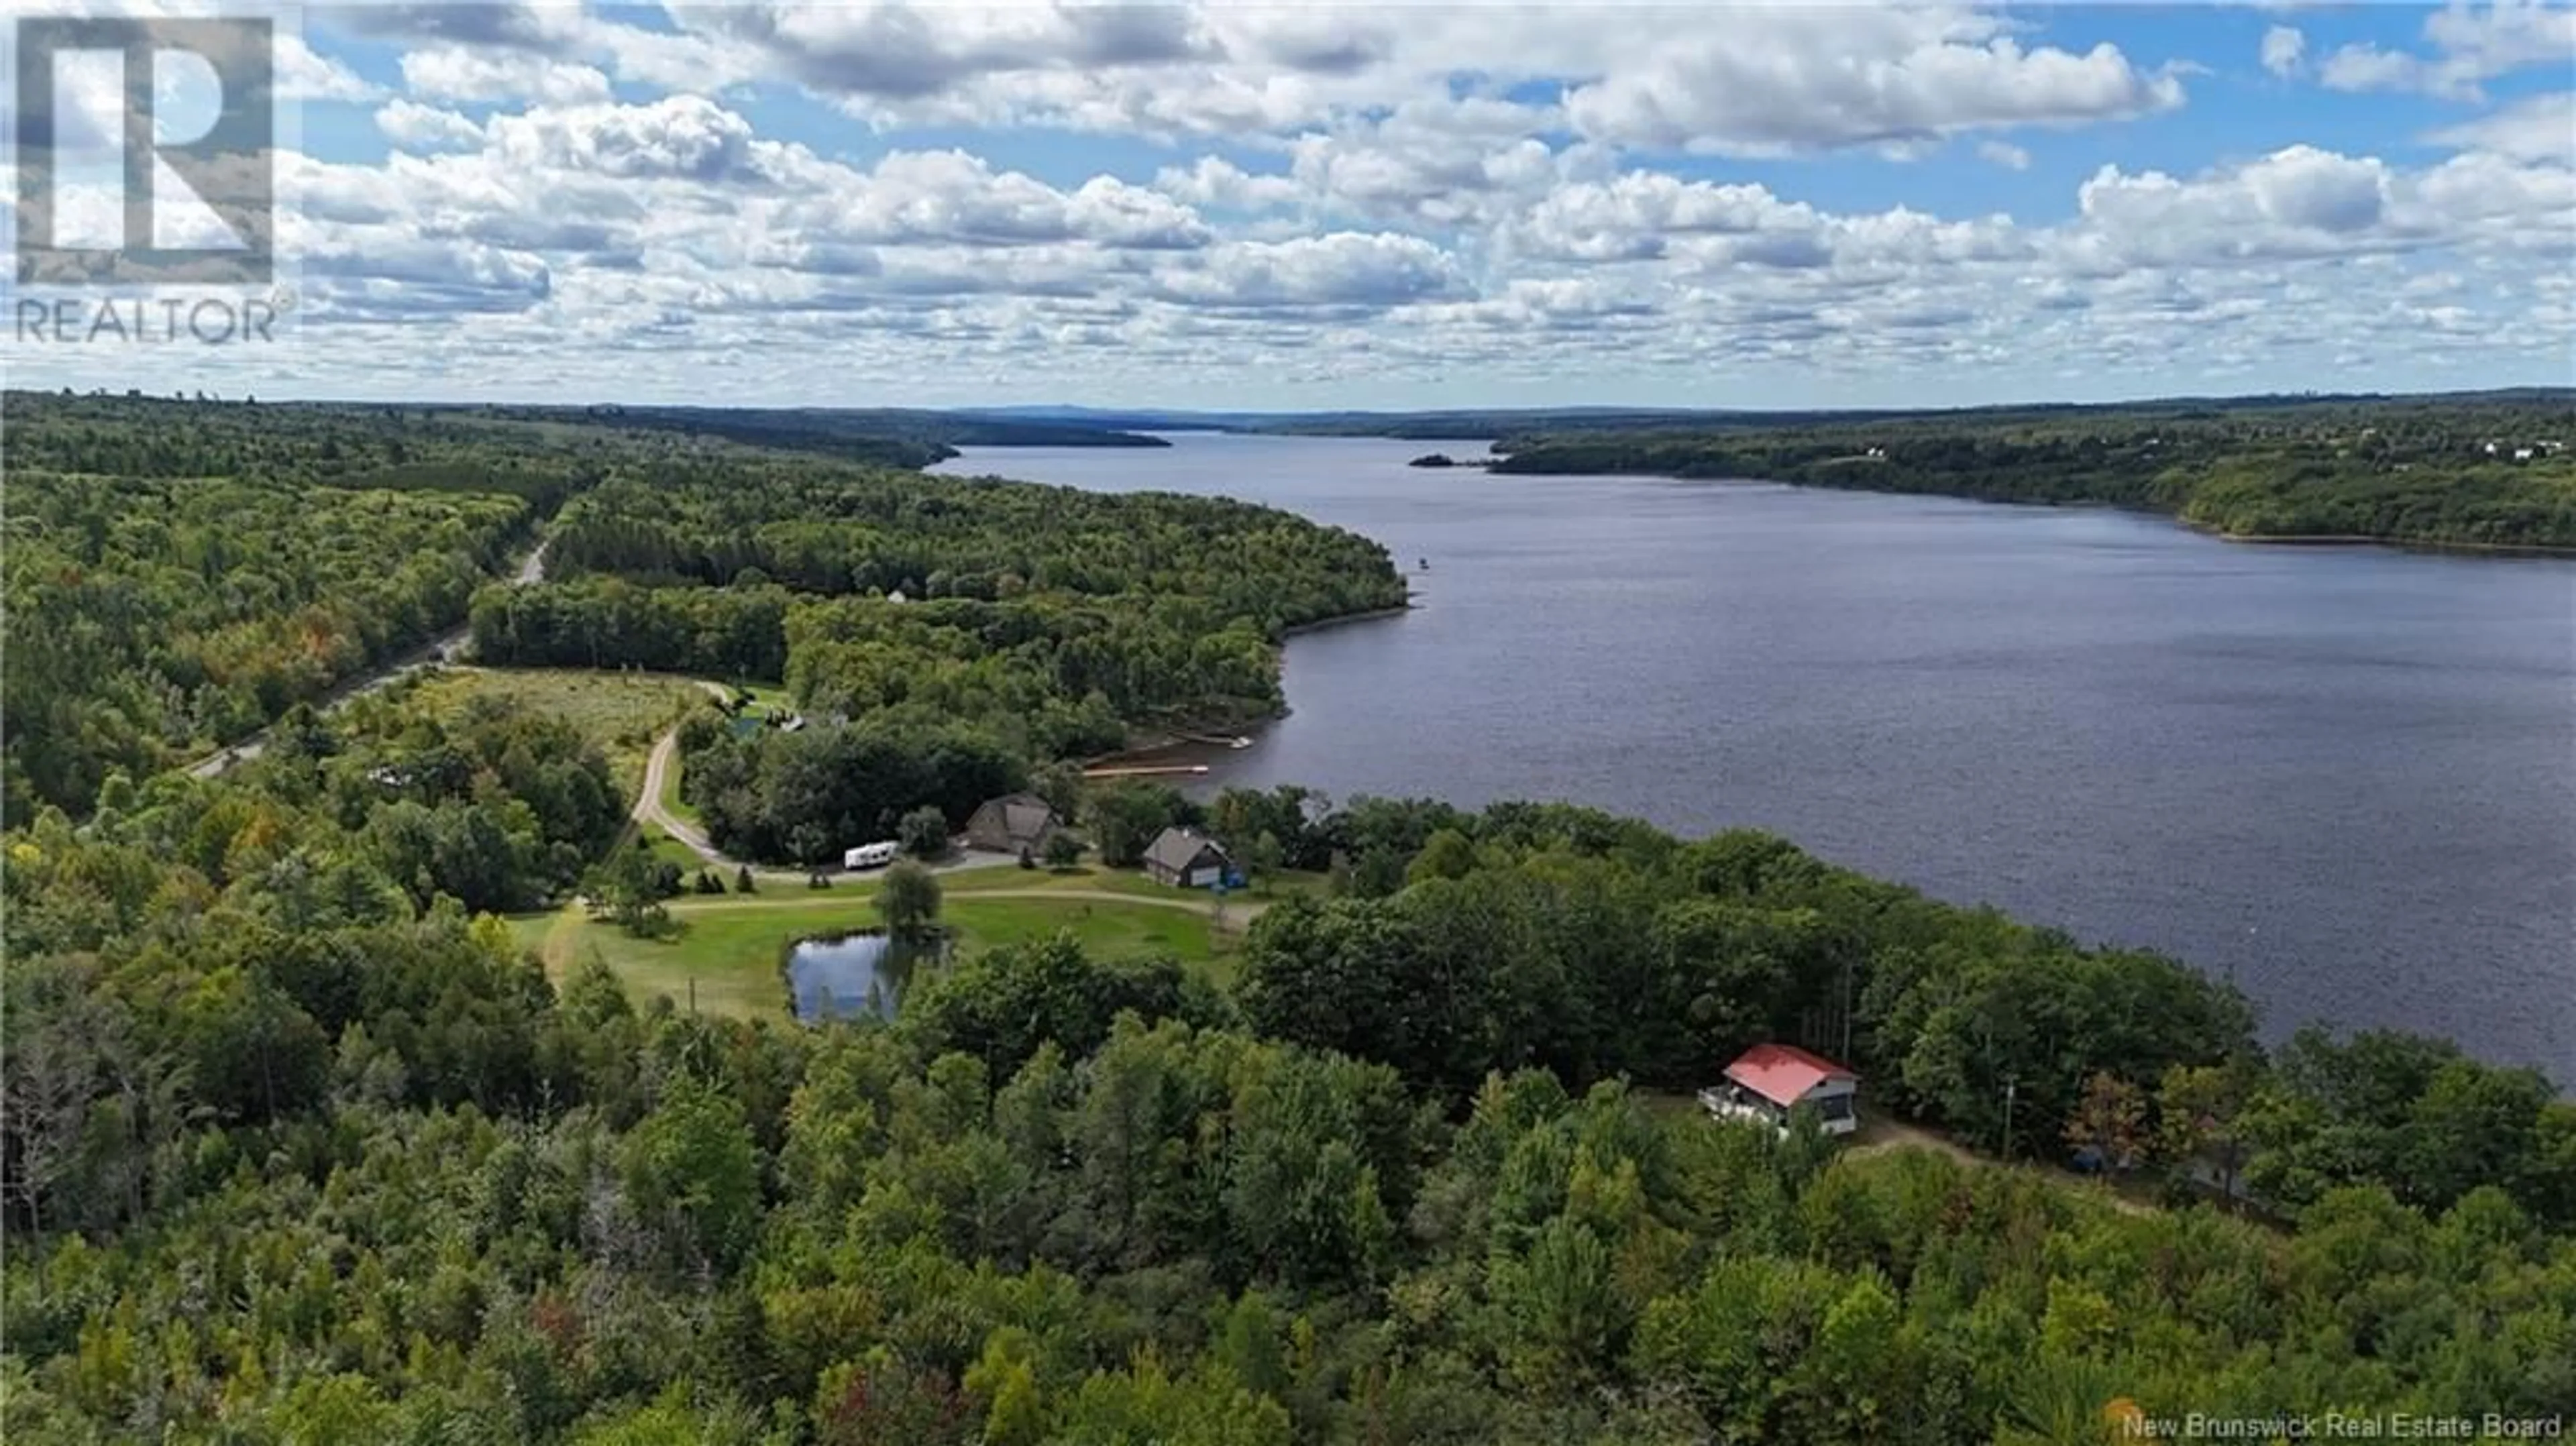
<point x="899" y="437"/>
<point x="1494" y="424"/>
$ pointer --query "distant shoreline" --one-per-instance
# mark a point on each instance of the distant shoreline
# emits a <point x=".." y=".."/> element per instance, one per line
<point x="1372" y="615"/>
<point x="2208" y="530"/>
<point x="1164" y="740"/>
<point x="2364" y="539"/>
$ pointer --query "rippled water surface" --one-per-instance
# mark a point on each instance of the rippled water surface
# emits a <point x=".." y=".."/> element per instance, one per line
<point x="2346" y="776"/>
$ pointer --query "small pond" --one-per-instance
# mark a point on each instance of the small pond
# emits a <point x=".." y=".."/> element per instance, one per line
<point x="851" y="976"/>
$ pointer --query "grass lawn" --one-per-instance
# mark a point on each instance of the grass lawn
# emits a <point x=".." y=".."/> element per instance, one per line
<point x="666" y="849"/>
<point x="1094" y="878"/>
<point x="624" y="712"/>
<point x="672" y="804"/>
<point x="529" y="931"/>
<point x="731" y="946"/>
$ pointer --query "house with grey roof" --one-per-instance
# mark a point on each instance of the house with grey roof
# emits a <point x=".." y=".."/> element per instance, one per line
<point x="1187" y="859"/>
<point x="1013" y="823"/>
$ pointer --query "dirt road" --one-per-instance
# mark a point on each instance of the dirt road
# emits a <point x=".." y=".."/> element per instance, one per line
<point x="649" y="811"/>
<point x="440" y="649"/>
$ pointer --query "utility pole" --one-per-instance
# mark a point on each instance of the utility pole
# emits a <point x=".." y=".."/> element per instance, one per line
<point x="2009" y="1086"/>
<point x="1846" y="1056"/>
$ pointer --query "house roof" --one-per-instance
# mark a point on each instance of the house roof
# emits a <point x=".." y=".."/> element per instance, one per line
<point x="1175" y="848"/>
<point x="1025" y="816"/>
<point x="1783" y="1073"/>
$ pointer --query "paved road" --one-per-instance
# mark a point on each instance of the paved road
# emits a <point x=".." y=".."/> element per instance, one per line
<point x="440" y="649"/>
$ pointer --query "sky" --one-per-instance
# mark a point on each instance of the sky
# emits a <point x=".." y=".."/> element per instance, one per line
<point x="1390" y="205"/>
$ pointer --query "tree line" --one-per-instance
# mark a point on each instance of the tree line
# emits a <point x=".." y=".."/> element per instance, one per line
<point x="2426" y="470"/>
<point x="950" y="633"/>
<point x="151" y="620"/>
<point x="298" y="1146"/>
<point x="842" y="531"/>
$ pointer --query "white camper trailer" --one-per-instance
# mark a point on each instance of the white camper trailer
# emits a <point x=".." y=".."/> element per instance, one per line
<point x="870" y="856"/>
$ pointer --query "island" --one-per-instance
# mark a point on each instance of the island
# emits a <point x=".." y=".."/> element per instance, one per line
<point x="1433" y="459"/>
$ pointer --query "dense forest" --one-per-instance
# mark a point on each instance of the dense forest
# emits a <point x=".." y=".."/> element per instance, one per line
<point x="152" y="617"/>
<point x="834" y="531"/>
<point x="937" y="628"/>
<point x="300" y="1149"/>
<point x="2477" y="471"/>
<point x="181" y="572"/>
<point x="889" y="437"/>
<point x="298" y="1144"/>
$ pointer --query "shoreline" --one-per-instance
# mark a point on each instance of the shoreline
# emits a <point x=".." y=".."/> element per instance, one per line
<point x="2363" y="539"/>
<point x="1346" y="619"/>
<point x="2208" y="530"/>
<point x="1165" y="737"/>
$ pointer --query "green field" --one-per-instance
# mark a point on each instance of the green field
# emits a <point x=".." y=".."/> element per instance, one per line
<point x="672" y="803"/>
<point x="624" y="712"/>
<point x="1093" y="878"/>
<point x="666" y="849"/>
<point x="730" y="946"/>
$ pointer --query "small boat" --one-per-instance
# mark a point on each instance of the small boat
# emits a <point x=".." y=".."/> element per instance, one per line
<point x="1422" y="564"/>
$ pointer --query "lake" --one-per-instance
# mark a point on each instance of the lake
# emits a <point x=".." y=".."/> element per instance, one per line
<point x="848" y="976"/>
<point x="2343" y="777"/>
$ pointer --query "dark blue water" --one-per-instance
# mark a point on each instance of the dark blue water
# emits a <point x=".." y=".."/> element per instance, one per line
<point x="2345" y="777"/>
<point x="848" y="977"/>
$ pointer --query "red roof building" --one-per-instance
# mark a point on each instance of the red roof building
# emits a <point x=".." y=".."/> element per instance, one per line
<point x="1769" y="1080"/>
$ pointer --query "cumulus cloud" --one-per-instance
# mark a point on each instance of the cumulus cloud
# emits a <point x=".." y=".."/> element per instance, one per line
<point x="2466" y="45"/>
<point x="683" y="137"/>
<point x="463" y="73"/>
<point x="1821" y="77"/>
<point x="546" y="26"/>
<point x="1219" y="184"/>
<point x="306" y="76"/>
<point x="1344" y="271"/>
<point x="2297" y="201"/>
<point x="954" y="197"/>
<point x="2535" y="128"/>
<point x="416" y="127"/>
<point x="1835" y="77"/>
<point x="2284" y="47"/>
<point x="1358" y="198"/>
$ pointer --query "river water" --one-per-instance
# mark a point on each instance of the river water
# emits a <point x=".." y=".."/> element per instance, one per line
<point x="2344" y="777"/>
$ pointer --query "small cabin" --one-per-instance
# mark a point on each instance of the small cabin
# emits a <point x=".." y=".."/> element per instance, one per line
<point x="1767" y="1081"/>
<point x="1015" y="823"/>
<point x="871" y="856"/>
<point x="1185" y="858"/>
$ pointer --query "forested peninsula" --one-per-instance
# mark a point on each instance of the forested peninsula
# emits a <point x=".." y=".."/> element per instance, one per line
<point x="2473" y="472"/>
<point x="392" y="1086"/>
<point x="181" y="574"/>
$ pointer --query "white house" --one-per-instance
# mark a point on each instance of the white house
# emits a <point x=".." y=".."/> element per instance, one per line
<point x="1769" y="1080"/>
